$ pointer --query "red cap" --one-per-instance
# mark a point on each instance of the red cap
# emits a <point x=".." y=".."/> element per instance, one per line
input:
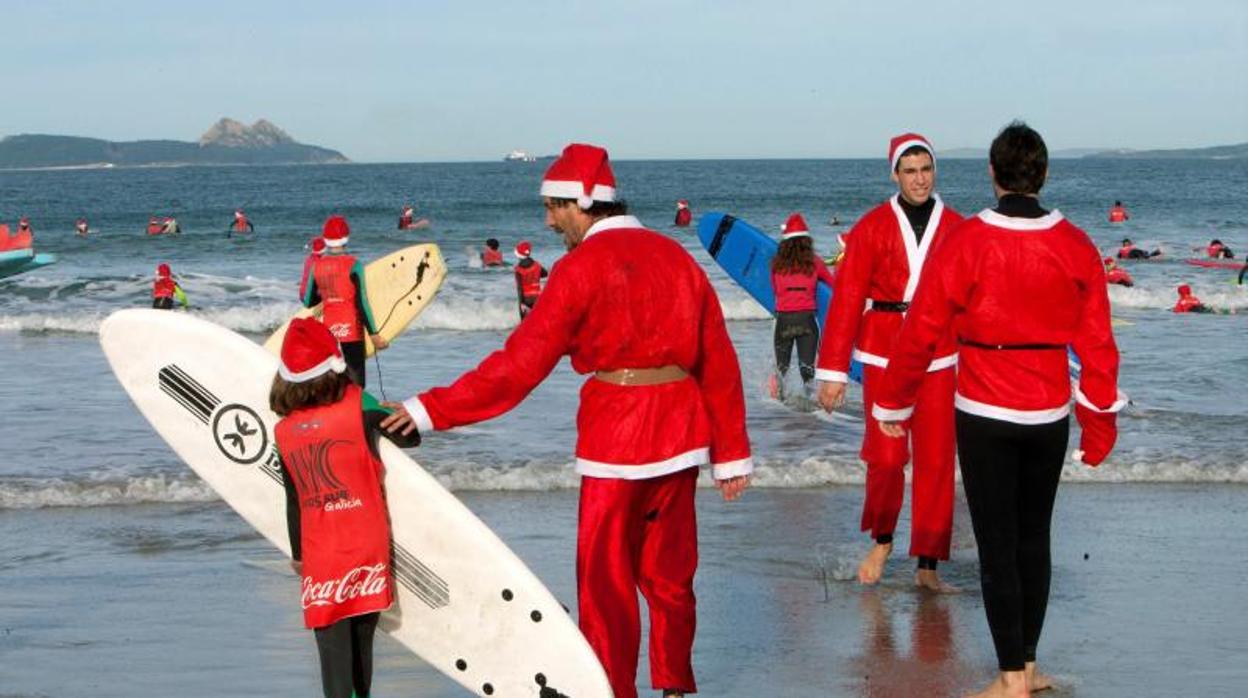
<point x="582" y="173"/>
<point x="904" y="142"/>
<point x="317" y="245"/>
<point x="795" y="227"/>
<point x="683" y="203"/>
<point x="163" y="271"/>
<point x="1185" y="290"/>
<point x="336" y="231"/>
<point x="524" y="250"/>
<point x="309" y="351"/>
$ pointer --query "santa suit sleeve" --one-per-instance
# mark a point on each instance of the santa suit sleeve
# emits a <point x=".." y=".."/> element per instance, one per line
<point x="825" y="274"/>
<point x="719" y="378"/>
<point x="508" y="375"/>
<point x="941" y="294"/>
<point x="1093" y="343"/>
<point x="840" y="329"/>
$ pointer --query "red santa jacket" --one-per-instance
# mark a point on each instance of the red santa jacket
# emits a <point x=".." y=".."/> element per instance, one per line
<point x="1011" y="282"/>
<point x="796" y="292"/>
<point x="344" y="526"/>
<point x="879" y="258"/>
<point x="626" y="297"/>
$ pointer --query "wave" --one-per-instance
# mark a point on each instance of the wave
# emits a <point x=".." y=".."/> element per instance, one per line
<point x="1216" y="295"/>
<point x="113" y="490"/>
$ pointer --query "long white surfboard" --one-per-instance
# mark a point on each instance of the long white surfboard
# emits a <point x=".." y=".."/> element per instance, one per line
<point x="465" y="603"/>
<point x="400" y="286"/>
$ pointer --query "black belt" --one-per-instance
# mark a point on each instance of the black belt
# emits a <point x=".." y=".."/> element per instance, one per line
<point x="890" y="306"/>
<point x="1009" y="347"/>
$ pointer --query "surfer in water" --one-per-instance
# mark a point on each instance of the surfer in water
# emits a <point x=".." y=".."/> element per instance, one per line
<point x="1218" y="250"/>
<point x="165" y="290"/>
<point x="882" y="267"/>
<point x="337" y="282"/>
<point x="1189" y="303"/>
<point x="1128" y="250"/>
<point x="529" y="275"/>
<point x="491" y="256"/>
<point x="336" y="513"/>
<point x="795" y="274"/>
<point x="1020" y="284"/>
<point x="1115" y="274"/>
<point x="664" y="398"/>
<point x="1118" y="213"/>
<point x="241" y="224"/>
<point x="684" y="215"/>
<point x="81" y="228"/>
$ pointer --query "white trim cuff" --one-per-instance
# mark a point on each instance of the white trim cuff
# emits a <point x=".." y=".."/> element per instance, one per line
<point x="829" y="376"/>
<point x="419" y="414"/>
<point x="883" y="414"/>
<point x="733" y="468"/>
<point x="1120" y="403"/>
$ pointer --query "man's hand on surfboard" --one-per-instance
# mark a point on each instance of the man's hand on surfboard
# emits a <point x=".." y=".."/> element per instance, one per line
<point x="733" y="487"/>
<point x="399" y="420"/>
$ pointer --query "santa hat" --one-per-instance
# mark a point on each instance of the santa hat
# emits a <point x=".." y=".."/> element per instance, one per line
<point x="1108" y="261"/>
<point x="1185" y="291"/>
<point x="336" y="231"/>
<point x="795" y="227"/>
<point x="683" y="203"/>
<point x="581" y="173"/>
<point x="309" y="351"/>
<point x="163" y="271"/>
<point x="24" y="222"/>
<point x="900" y="144"/>
<point x="238" y="213"/>
<point x="524" y="250"/>
<point x="317" y="245"/>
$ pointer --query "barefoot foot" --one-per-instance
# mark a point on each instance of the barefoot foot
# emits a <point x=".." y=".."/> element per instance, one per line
<point x="872" y="566"/>
<point x="1036" y="681"/>
<point x="1008" y="684"/>
<point x="931" y="581"/>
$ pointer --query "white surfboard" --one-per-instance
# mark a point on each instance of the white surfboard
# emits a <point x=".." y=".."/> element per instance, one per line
<point x="465" y="603"/>
<point x="399" y="286"/>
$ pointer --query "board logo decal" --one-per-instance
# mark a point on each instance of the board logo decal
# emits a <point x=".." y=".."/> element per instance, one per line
<point x="240" y="434"/>
<point x="419" y="579"/>
<point x="725" y="225"/>
<point x="179" y="385"/>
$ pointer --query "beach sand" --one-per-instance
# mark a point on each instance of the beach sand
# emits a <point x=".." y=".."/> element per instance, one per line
<point x="185" y="599"/>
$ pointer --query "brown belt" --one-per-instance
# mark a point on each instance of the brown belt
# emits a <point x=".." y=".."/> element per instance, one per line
<point x="643" y="376"/>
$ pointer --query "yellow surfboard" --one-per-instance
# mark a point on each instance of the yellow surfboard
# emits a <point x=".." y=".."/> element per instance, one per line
<point x="400" y="286"/>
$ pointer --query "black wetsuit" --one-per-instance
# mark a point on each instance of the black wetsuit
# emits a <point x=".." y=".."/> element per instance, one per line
<point x="800" y="328"/>
<point x="345" y="648"/>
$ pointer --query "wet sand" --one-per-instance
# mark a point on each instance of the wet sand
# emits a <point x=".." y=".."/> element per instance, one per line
<point x="183" y="599"/>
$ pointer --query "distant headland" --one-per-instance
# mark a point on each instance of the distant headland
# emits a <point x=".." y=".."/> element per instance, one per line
<point x="1238" y="151"/>
<point x="228" y="142"/>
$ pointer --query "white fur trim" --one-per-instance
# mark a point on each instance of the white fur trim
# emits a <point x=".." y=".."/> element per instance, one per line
<point x="521" y="256"/>
<point x="612" y="223"/>
<point x="333" y="363"/>
<point x="644" y="471"/>
<point x="336" y="243"/>
<point x="883" y="414"/>
<point x="419" y="414"/>
<point x="993" y="218"/>
<point x="863" y="357"/>
<point x="1119" y="403"/>
<point x="906" y="145"/>
<point x="566" y="189"/>
<point x="1006" y="414"/>
<point x="943" y="362"/>
<point x="733" y="468"/>
<point x="790" y="236"/>
<point x="916" y="252"/>
<point x="828" y="376"/>
<point x="940" y="363"/>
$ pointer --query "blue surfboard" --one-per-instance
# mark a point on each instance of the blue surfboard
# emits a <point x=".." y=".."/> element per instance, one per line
<point x="745" y="253"/>
<point x="15" y="262"/>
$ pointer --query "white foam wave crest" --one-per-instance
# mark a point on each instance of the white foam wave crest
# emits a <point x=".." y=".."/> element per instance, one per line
<point x="102" y="492"/>
<point x="1215" y="295"/>
<point x="260" y="318"/>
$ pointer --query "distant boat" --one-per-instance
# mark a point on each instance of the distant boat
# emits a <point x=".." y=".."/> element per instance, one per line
<point x="518" y="156"/>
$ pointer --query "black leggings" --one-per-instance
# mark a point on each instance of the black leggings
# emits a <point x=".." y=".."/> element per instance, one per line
<point x="163" y="303"/>
<point x="346" y="650"/>
<point x="797" y="328"/>
<point x="1010" y="473"/>
<point x="354" y="354"/>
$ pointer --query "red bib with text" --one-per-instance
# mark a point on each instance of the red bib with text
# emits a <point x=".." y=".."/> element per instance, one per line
<point x="333" y="280"/>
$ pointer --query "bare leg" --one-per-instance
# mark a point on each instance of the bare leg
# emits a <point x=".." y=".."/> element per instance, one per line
<point x="1008" y="684"/>
<point x="872" y="566"/>
<point x="1036" y="681"/>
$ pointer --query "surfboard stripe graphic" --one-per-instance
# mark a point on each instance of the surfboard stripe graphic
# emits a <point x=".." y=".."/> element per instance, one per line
<point x="419" y="579"/>
<point x="178" y="385"/>
<point x="725" y="225"/>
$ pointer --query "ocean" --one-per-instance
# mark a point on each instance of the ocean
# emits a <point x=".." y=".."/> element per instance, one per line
<point x="97" y="514"/>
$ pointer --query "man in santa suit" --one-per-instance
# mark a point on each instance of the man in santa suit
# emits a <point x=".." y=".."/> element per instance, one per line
<point x="1019" y="284"/>
<point x="635" y="311"/>
<point x="874" y="285"/>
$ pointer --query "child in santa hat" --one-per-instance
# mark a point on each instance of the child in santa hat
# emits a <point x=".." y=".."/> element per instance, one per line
<point x="335" y="506"/>
<point x="795" y="273"/>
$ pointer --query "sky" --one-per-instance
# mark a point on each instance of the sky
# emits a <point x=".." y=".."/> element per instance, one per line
<point x="471" y="80"/>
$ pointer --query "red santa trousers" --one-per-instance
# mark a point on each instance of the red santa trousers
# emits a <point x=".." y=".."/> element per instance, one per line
<point x="931" y="498"/>
<point x="639" y="534"/>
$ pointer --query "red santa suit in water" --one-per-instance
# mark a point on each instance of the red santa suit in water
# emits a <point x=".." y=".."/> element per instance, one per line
<point x="684" y="215"/>
<point x="634" y="310"/>
<point x="874" y="286"/>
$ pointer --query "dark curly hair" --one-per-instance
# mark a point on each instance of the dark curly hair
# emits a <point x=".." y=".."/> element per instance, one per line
<point x="795" y="256"/>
